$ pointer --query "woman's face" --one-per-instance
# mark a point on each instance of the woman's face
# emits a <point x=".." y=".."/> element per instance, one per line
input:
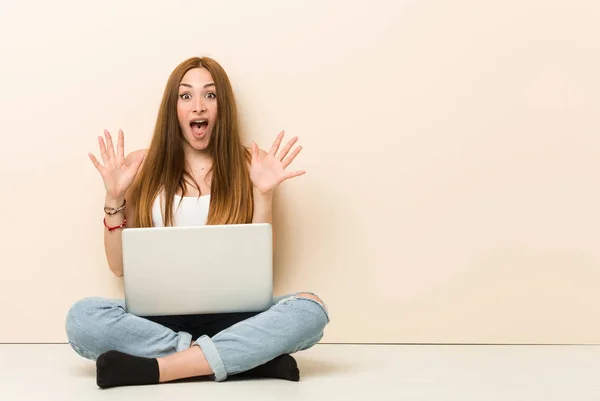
<point x="197" y="107"/>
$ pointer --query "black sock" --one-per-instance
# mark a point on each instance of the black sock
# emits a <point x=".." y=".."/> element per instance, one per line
<point x="114" y="368"/>
<point x="282" y="367"/>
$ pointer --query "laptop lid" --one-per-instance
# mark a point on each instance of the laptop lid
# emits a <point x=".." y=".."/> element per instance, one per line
<point x="198" y="270"/>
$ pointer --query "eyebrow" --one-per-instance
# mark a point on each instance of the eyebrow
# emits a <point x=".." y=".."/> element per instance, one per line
<point x="205" y="86"/>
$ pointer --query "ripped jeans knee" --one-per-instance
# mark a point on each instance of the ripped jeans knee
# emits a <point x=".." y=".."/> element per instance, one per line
<point x="304" y="296"/>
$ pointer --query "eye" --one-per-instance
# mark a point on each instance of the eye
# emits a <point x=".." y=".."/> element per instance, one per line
<point x="211" y="95"/>
<point x="185" y="96"/>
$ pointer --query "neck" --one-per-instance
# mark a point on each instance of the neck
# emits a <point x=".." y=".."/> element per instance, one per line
<point x="197" y="159"/>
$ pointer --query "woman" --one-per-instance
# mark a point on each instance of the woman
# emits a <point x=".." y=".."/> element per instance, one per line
<point x="196" y="171"/>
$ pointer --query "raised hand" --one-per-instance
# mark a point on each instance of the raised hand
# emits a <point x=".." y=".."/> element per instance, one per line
<point x="268" y="171"/>
<point x="116" y="174"/>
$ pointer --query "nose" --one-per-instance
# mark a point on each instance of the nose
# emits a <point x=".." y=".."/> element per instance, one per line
<point x="199" y="106"/>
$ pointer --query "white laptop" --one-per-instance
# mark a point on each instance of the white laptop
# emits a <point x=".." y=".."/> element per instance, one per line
<point x="198" y="270"/>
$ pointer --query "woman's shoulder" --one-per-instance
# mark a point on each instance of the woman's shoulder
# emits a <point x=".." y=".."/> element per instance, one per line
<point x="132" y="156"/>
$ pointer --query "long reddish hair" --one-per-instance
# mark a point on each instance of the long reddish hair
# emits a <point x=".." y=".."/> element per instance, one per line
<point x="164" y="168"/>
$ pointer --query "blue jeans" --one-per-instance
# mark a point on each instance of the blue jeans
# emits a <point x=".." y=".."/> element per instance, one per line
<point x="293" y="323"/>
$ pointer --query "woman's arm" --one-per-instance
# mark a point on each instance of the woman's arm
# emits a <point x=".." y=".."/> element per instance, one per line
<point x="113" y="247"/>
<point x="267" y="171"/>
<point x="118" y="173"/>
<point x="112" y="239"/>
<point x="263" y="202"/>
<point x="263" y="207"/>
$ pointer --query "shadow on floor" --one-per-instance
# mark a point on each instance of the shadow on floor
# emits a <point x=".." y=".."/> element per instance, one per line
<point x="83" y="370"/>
<point x="320" y="367"/>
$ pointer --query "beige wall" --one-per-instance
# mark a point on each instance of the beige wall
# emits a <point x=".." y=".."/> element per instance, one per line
<point x="452" y="151"/>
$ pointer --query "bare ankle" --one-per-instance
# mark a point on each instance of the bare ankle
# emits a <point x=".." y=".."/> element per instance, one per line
<point x="188" y="363"/>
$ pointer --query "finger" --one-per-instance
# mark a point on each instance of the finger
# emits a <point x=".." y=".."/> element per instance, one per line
<point x="121" y="147"/>
<point x="288" y="160"/>
<point x="287" y="148"/>
<point x="276" y="144"/>
<point x="254" y="152"/>
<point x="109" y="145"/>
<point x="103" y="151"/>
<point x="96" y="162"/>
<point x="294" y="174"/>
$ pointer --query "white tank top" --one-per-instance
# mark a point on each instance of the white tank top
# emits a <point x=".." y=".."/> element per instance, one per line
<point x="193" y="211"/>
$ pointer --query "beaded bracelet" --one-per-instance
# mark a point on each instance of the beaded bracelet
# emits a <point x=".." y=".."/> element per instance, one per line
<point x="111" y="211"/>
<point x="115" y="227"/>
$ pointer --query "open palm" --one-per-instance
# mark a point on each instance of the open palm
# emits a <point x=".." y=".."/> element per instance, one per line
<point x="116" y="173"/>
<point x="269" y="170"/>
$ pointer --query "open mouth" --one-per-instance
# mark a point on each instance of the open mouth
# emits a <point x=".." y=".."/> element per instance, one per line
<point x="199" y="126"/>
